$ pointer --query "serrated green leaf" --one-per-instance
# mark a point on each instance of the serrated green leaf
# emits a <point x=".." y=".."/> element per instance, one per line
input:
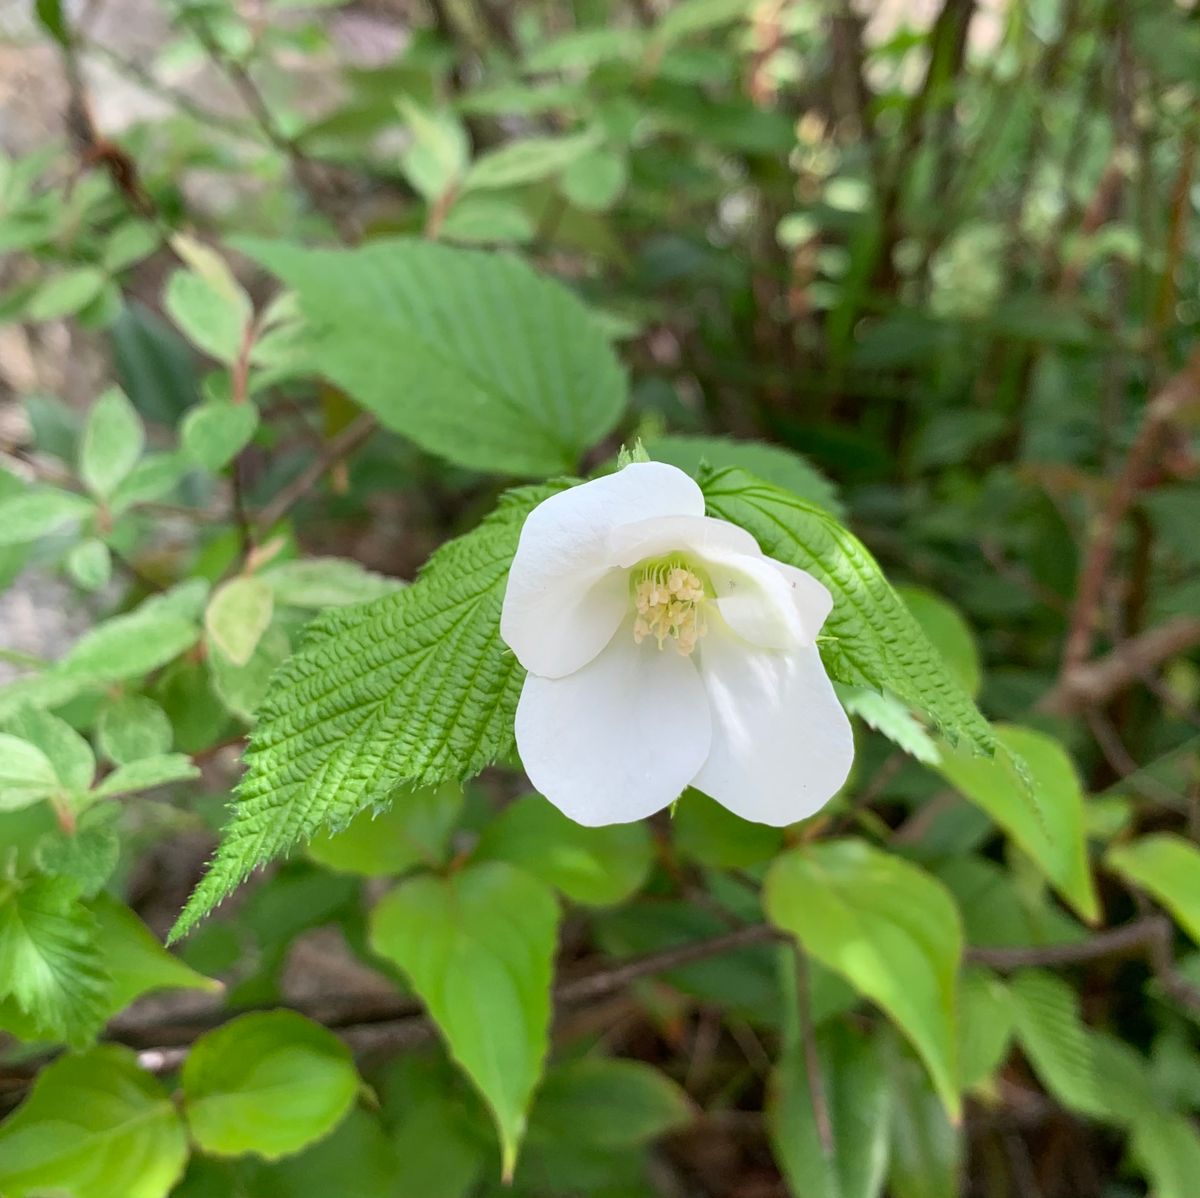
<point x="772" y="463"/>
<point x="26" y="774"/>
<point x="38" y="511"/>
<point x="50" y="964"/>
<point x="268" y="1083"/>
<point x="214" y="433"/>
<point x="870" y="638"/>
<point x="213" y="318"/>
<point x="891" y="718"/>
<point x="889" y="929"/>
<point x="412" y="832"/>
<point x="858" y="1104"/>
<point x="1053" y="833"/>
<point x="86" y="854"/>
<point x="95" y="1126"/>
<point x="470" y="354"/>
<point x="416" y="686"/>
<point x="113" y="439"/>
<point x="1053" y="1036"/>
<point x="133" y="727"/>
<point x="1167" y="867"/>
<point x="608" y="1103"/>
<point x="478" y="947"/>
<point x="948" y="632"/>
<point x="595" y="866"/>
<point x="146" y="773"/>
<point x="237" y="616"/>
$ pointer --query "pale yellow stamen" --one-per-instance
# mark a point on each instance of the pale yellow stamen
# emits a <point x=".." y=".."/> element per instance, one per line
<point x="668" y="597"/>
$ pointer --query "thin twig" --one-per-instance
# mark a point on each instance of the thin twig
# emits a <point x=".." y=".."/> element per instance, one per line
<point x="339" y="447"/>
<point x="1181" y="392"/>
<point x="812" y="1057"/>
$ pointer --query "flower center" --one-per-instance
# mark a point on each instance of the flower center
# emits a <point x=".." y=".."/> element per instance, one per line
<point x="667" y="593"/>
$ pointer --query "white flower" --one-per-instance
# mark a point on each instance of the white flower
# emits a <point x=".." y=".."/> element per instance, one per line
<point x="664" y="650"/>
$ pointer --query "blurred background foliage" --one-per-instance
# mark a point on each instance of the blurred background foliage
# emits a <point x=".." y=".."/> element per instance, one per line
<point x="937" y="261"/>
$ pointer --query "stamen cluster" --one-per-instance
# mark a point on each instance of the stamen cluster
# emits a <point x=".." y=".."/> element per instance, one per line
<point x="668" y="597"/>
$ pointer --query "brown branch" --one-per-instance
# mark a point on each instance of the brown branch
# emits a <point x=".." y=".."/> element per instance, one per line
<point x="1094" y="683"/>
<point x="1180" y="392"/>
<point x="341" y="446"/>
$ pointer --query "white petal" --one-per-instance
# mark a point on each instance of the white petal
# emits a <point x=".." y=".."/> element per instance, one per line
<point x="781" y="743"/>
<point x="563" y="600"/>
<point x="756" y="601"/>
<point x="618" y="739"/>
<point x="811" y="597"/>
<point x="632" y="543"/>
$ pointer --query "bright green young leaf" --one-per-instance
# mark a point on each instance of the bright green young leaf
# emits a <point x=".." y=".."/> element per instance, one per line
<point x="26" y="774"/>
<point x="581" y="49"/>
<point x="1167" y="1150"/>
<point x="413" y="831"/>
<point x="526" y="161"/>
<point x="90" y="564"/>
<point x="712" y="835"/>
<point x="870" y="638"/>
<point x="320" y="582"/>
<point x="215" y="432"/>
<point x="985" y="1025"/>
<point x="609" y="1103"/>
<point x="133" y="727"/>
<point x="478" y="947"/>
<point x="1056" y="1041"/>
<point x="698" y="16"/>
<point x="1168" y="868"/>
<point x="1053" y="834"/>
<point x="146" y="773"/>
<point x="38" y="511"/>
<point x="237" y="616"/>
<point x="595" y="179"/>
<point x="595" y="866"/>
<point x="243" y="688"/>
<point x="214" y="319"/>
<point x="65" y="294"/>
<point x="926" y="1148"/>
<point x="135" y="959"/>
<point x="485" y="218"/>
<point x="889" y="929"/>
<point x="130" y="645"/>
<point x="858" y="1102"/>
<point x="95" y="1126"/>
<point x="50" y="964"/>
<point x="268" y="1083"/>
<point x="113" y="439"/>
<point x="782" y="467"/>
<point x="949" y="634"/>
<point x="437" y="156"/>
<point x="415" y="686"/>
<point x="153" y="478"/>
<point x="470" y="354"/>
<point x="68" y="752"/>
